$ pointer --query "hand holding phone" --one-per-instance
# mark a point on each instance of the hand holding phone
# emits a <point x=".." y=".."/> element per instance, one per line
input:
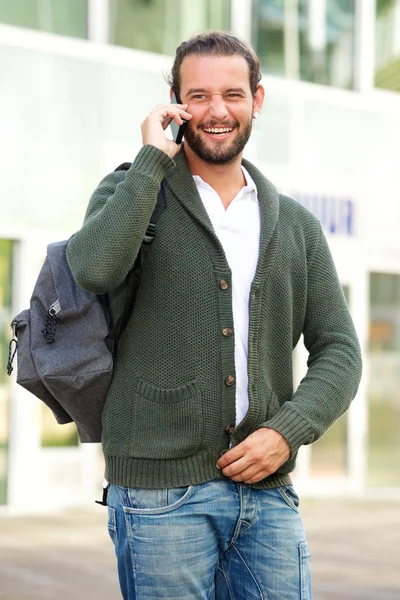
<point x="157" y="121"/>
<point x="178" y="131"/>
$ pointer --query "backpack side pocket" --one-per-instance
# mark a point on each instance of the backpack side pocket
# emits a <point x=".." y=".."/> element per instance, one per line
<point x="27" y="375"/>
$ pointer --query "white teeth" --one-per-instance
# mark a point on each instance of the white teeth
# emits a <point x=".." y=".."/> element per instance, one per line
<point x="219" y="130"/>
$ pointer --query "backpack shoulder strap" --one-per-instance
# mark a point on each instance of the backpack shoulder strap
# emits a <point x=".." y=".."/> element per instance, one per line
<point x="124" y="167"/>
<point x="134" y="276"/>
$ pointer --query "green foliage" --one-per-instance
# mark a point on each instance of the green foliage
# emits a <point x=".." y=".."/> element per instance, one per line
<point x="60" y="441"/>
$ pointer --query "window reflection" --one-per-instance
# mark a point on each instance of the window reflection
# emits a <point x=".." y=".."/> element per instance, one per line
<point x="160" y="25"/>
<point x="387" y="45"/>
<point x="384" y="380"/>
<point x="311" y="40"/>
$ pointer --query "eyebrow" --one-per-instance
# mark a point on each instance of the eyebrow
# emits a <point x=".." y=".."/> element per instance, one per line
<point x="237" y="89"/>
<point x="195" y="91"/>
<point x="198" y="90"/>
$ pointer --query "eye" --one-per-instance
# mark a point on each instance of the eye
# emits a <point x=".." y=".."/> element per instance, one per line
<point x="199" y="97"/>
<point x="234" y="95"/>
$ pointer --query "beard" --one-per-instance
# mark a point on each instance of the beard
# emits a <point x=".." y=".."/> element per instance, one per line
<point x="222" y="153"/>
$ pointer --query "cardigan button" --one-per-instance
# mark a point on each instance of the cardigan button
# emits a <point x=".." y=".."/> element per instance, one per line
<point x="230" y="380"/>
<point x="223" y="284"/>
<point x="227" y="331"/>
<point x="229" y="429"/>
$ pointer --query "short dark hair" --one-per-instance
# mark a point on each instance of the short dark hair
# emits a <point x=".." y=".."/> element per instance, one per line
<point x="215" y="43"/>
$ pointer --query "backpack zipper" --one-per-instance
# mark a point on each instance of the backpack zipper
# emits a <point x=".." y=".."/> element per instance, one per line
<point x="56" y="306"/>
<point x="50" y="326"/>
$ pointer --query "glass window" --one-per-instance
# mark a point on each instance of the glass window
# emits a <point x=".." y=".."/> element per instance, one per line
<point x="269" y="36"/>
<point x="384" y="380"/>
<point x="311" y="40"/>
<point x="6" y="250"/>
<point x="54" y="16"/>
<point x="160" y="25"/>
<point x="387" y="46"/>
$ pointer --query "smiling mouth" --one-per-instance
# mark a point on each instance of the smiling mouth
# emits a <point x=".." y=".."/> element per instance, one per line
<point x="218" y="130"/>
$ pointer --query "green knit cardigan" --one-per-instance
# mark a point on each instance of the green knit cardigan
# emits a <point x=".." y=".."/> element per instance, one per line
<point x="171" y="404"/>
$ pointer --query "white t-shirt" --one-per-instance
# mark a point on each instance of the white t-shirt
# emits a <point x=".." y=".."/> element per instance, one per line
<point x="238" y="230"/>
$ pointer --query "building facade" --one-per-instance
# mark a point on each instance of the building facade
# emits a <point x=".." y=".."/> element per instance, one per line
<point x="76" y="81"/>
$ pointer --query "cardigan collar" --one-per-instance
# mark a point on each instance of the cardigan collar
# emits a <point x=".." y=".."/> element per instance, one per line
<point x="182" y="185"/>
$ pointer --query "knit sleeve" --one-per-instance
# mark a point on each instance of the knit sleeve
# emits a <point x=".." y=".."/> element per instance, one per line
<point x="103" y="251"/>
<point x="334" y="361"/>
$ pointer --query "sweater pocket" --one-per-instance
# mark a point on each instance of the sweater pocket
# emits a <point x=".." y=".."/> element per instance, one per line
<point x="167" y="423"/>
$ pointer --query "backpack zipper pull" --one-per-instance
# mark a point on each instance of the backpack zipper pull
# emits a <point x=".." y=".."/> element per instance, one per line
<point x="11" y="354"/>
<point x="50" y="325"/>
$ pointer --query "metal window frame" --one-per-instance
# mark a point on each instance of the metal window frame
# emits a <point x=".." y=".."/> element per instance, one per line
<point x="241" y="15"/>
<point x="99" y="21"/>
<point x="364" y="55"/>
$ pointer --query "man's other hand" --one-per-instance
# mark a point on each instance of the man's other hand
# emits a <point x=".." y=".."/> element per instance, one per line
<point x="258" y="456"/>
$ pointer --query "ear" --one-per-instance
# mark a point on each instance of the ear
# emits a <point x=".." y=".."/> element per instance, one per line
<point x="171" y="91"/>
<point x="258" y="99"/>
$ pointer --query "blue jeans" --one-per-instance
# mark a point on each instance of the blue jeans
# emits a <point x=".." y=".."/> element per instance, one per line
<point x="215" y="541"/>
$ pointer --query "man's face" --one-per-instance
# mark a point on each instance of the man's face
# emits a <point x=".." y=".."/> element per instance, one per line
<point x="217" y="90"/>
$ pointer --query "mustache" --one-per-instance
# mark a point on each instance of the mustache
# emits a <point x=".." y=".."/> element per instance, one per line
<point x="209" y="124"/>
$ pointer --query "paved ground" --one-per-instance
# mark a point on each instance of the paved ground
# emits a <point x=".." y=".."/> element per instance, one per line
<point x="355" y="549"/>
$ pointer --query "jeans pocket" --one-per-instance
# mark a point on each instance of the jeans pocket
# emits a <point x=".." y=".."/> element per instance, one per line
<point x="305" y="572"/>
<point x="155" y="502"/>
<point x="289" y="496"/>
<point x="112" y="525"/>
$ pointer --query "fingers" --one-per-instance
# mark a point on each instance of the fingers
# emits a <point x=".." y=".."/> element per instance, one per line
<point x="252" y="476"/>
<point x="242" y="471"/>
<point x="163" y="107"/>
<point x="231" y="456"/>
<point x="257" y="457"/>
<point x="236" y="467"/>
<point x="248" y="466"/>
<point x="176" y="112"/>
<point x="153" y="127"/>
<point x="241" y="461"/>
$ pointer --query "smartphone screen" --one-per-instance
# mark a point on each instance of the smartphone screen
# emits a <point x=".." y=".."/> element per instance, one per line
<point x="178" y="131"/>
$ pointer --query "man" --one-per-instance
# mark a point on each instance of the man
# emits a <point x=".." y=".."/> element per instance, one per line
<point x="201" y="424"/>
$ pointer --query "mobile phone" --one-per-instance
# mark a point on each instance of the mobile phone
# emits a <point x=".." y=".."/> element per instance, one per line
<point x="178" y="131"/>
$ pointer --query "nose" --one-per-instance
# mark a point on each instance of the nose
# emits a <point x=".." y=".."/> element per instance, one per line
<point x="218" y="109"/>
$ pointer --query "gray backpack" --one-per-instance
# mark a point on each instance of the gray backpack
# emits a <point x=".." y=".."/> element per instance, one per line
<point x="66" y="343"/>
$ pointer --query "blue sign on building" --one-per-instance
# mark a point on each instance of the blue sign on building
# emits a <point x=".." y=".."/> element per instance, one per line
<point x="335" y="214"/>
